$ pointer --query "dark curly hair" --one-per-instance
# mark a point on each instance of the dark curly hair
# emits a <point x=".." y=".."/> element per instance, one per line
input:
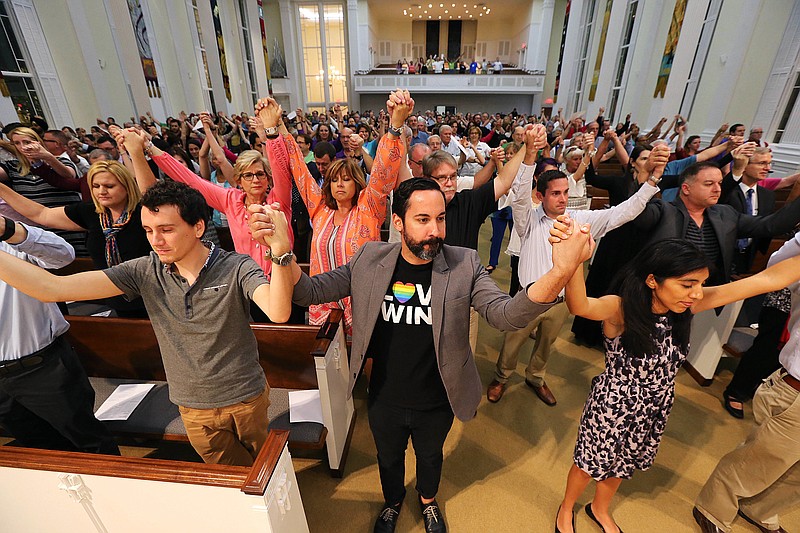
<point x="190" y="203"/>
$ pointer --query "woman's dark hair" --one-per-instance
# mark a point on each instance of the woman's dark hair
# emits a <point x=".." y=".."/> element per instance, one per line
<point x="190" y="203"/>
<point x="690" y="140"/>
<point x="542" y="163"/>
<point x="403" y="192"/>
<point x="670" y="258"/>
<point x="180" y="152"/>
<point x="637" y="150"/>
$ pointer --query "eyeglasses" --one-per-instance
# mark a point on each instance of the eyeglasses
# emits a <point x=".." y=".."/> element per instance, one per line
<point x="50" y="140"/>
<point x="413" y="161"/>
<point x="445" y="179"/>
<point x="248" y="176"/>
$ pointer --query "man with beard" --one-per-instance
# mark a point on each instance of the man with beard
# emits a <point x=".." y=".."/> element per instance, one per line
<point x="423" y="372"/>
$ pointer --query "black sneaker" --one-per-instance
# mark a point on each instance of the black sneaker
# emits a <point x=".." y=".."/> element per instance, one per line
<point x="387" y="520"/>
<point x="434" y="521"/>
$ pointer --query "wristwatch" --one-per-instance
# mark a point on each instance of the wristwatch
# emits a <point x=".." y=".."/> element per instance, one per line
<point x="653" y="180"/>
<point x="281" y="260"/>
<point x="394" y="131"/>
<point x="271" y="132"/>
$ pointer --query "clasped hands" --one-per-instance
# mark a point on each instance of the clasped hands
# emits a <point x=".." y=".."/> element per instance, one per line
<point x="572" y="243"/>
<point x="269" y="227"/>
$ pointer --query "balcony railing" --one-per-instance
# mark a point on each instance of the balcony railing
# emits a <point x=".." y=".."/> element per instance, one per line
<point x="452" y="83"/>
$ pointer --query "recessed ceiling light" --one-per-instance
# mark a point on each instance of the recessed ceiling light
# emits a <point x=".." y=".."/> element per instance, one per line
<point x="459" y="16"/>
<point x="467" y="11"/>
<point x="446" y="12"/>
<point x="440" y="17"/>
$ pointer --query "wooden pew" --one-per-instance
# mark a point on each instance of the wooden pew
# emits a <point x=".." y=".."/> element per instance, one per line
<point x="77" y="492"/>
<point x="294" y="357"/>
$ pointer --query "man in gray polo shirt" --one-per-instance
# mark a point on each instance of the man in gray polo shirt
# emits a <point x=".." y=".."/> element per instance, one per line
<point x="197" y="296"/>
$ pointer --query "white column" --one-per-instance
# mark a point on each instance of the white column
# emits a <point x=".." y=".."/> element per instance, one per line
<point x="190" y="76"/>
<point x="536" y="58"/>
<point x="356" y="50"/>
<point x="569" y="60"/>
<point x="292" y="47"/>
<point x="89" y="52"/>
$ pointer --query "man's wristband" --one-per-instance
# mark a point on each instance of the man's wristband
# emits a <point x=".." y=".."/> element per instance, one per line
<point x="11" y="229"/>
<point x="394" y="131"/>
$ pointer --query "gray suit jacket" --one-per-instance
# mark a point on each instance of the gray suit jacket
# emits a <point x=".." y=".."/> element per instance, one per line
<point x="458" y="281"/>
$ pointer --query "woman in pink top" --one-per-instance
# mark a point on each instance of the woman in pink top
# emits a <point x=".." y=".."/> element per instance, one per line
<point x="346" y="211"/>
<point x="251" y="173"/>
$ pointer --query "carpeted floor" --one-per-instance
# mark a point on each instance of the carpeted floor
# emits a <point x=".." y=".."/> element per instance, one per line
<point x="505" y="471"/>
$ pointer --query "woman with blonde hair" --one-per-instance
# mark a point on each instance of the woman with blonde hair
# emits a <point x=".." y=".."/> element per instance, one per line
<point x="37" y="174"/>
<point x="112" y="222"/>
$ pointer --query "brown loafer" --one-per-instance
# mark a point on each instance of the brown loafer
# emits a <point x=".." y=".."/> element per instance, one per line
<point x="706" y="525"/>
<point x="495" y="391"/>
<point x="759" y="526"/>
<point x="544" y="393"/>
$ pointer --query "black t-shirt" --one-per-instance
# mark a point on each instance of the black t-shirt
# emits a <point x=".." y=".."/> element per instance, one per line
<point x="405" y="372"/>
<point x="131" y="240"/>
<point x="465" y="215"/>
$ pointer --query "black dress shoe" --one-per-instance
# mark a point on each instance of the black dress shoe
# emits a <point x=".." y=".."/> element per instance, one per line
<point x="591" y="515"/>
<point x="434" y="521"/>
<point x="735" y="412"/>
<point x="759" y="526"/>
<point x="573" y="520"/>
<point x="387" y="520"/>
<point x="706" y="525"/>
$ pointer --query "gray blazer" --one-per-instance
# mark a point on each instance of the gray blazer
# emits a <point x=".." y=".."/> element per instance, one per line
<point x="458" y="281"/>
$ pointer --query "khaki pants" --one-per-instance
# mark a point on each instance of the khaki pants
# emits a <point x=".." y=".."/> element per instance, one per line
<point x="762" y="476"/>
<point x="230" y="435"/>
<point x="547" y="326"/>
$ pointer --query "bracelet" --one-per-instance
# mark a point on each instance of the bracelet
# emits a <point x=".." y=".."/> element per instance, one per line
<point x="11" y="229"/>
<point x="394" y="131"/>
<point x="148" y="147"/>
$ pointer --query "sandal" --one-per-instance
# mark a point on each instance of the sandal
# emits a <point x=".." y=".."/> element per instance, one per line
<point x="728" y="401"/>
<point x="490" y="268"/>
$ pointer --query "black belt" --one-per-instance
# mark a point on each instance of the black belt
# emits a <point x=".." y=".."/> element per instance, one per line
<point x="17" y="366"/>
<point x="790" y="380"/>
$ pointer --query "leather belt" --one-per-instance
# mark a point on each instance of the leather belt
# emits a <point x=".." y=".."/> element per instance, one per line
<point x="792" y="381"/>
<point x="17" y="366"/>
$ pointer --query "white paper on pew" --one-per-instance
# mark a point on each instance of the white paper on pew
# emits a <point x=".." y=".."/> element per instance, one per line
<point x="198" y="125"/>
<point x="305" y="406"/>
<point x="292" y="115"/>
<point x="123" y="401"/>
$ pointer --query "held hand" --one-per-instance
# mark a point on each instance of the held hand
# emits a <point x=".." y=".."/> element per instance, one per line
<point x="269" y="111"/>
<point x="208" y="122"/>
<point x="570" y="251"/>
<point x="610" y="134"/>
<point x="355" y="142"/>
<point x="535" y="138"/>
<point x="256" y="124"/>
<point x="588" y="142"/>
<point x="133" y="140"/>
<point x="498" y="155"/>
<point x="744" y="151"/>
<point x="734" y="141"/>
<point x="399" y="106"/>
<point x="659" y="157"/>
<point x="268" y="226"/>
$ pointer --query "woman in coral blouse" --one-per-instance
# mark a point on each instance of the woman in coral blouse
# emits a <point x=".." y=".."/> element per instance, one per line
<point x="346" y="211"/>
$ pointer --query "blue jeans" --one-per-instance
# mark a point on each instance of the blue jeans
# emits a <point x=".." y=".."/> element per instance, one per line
<point x="500" y="220"/>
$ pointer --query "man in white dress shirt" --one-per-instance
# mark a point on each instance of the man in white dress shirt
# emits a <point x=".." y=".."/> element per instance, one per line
<point x="46" y="400"/>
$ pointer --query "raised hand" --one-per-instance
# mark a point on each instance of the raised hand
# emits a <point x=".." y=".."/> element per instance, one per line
<point x="208" y="122"/>
<point x="610" y="134"/>
<point x="588" y="142"/>
<point x="355" y="142"/>
<point x="269" y="111"/>
<point x="572" y="243"/>
<point x="744" y="151"/>
<point x="255" y="124"/>
<point x="535" y="138"/>
<point x="735" y="141"/>
<point x="399" y="106"/>
<point x="658" y="159"/>
<point x="268" y="226"/>
<point x="34" y="151"/>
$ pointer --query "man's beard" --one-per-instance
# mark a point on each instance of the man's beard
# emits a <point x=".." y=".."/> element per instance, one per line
<point x="418" y="248"/>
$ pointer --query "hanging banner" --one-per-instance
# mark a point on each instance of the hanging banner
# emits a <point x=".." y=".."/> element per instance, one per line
<point x="600" y="49"/>
<point x="669" y="48"/>
<point x="145" y="52"/>
<point x="223" y="63"/>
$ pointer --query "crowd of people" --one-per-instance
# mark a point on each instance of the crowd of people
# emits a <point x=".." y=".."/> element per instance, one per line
<point x="148" y="202"/>
<point x="439" y="64"/>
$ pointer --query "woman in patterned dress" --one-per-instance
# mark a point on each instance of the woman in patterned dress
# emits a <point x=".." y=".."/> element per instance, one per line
<point x="345" y="211"/>
<point x="646" y="325"/>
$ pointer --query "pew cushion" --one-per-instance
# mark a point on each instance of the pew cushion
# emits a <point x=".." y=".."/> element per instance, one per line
<point x="158" y="417"/>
